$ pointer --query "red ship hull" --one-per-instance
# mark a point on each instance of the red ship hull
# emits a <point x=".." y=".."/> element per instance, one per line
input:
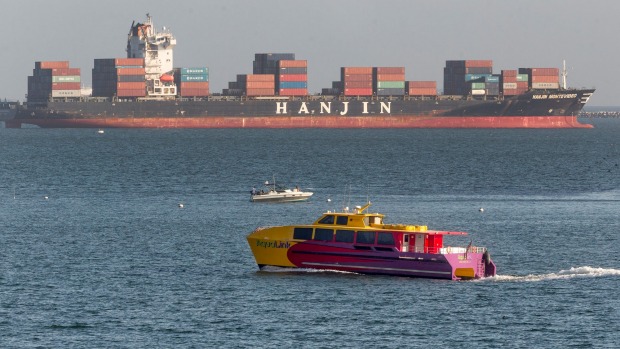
<point x="308" y="122"/>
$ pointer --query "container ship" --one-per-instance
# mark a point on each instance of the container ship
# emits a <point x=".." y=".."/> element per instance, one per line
<point x="145" y="90"/>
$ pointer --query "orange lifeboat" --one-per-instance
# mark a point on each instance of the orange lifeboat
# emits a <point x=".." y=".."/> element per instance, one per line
<point x="166" y="78"/>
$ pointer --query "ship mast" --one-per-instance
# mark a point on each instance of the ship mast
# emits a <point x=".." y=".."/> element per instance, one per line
<point x="564" y="74"/>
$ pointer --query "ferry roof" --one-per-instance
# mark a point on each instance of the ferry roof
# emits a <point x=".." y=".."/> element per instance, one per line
<point x="360" y="220"/>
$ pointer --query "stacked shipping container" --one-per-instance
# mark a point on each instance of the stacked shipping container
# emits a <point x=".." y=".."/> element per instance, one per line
<point x="292" y="78"/>
<point x="192" y="82"/>
<point x="542" y="78"/>
<point x="389" y="81"/>
<point x="465" y="77"/>
<point x="421" y="88"/>
<point x="122" y="77"/>
<point x="357" y="81"/>
<point x="267" y="63"/>
<point x="54" y="79"/>
<point x="512" y="84"/>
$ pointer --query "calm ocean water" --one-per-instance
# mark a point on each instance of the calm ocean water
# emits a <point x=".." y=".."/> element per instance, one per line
<point x="96" y="252"/>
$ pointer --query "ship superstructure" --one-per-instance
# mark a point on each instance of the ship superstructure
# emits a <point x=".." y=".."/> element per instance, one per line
<point x="156" y="48"/>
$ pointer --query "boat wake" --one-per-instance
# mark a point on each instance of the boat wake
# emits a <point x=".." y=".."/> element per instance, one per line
<point x="574" y="272"/>
<point x="272" y="269"/>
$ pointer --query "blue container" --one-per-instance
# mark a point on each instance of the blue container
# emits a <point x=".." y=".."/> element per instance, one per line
<point x="491" y="78"/>
<point x="195" y="71"/>
<point x="473" y="77"/>
<point x="191" y="78"/>
<point x="293" y="84"/>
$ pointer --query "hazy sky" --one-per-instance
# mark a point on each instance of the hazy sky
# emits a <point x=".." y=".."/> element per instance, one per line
<point x="419" y="35"/>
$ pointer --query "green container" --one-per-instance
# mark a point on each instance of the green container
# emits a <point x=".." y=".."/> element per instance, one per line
<point x="69" y="78"/>
<point x="522" y="77"/>
<point x="478" y="85"/>
<point x="390" y="84"/>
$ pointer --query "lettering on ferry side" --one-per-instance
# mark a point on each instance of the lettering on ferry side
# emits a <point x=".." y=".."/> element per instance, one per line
<point x="303" y="108"/>
<point x="273" y="244"/>
<point x="386" y="107"/>
<point x="280" y="107"/>
<point x="326" y="107"/>
<point x="540" y="96"/>
<point x="346" y="108"/>
<point x="365" y="111"/>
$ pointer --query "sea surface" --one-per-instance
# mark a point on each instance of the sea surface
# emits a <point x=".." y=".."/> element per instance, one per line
<point x="96" y="252"/>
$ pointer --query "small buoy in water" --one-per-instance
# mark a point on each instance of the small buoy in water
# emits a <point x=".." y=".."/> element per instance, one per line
<point x="481" y="209"/>
<point x="329" y="200"/>
<point x="45" y="197"/>
<point x="181" y="205"/>
<point x="100" y="131"/>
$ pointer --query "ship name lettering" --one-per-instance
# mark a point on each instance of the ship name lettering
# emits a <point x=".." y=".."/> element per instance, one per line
<point x="280" y="107"/>
<point x="386" y="107"/>
<point x="564" y="96"/>
<point x="365" y="111"/>
<point x="540" y="96"/>
<point x="303" y="108"/>
<point x="273" y="244"/>
<point x="326" y="107"/>
<point x="346" y="108"/>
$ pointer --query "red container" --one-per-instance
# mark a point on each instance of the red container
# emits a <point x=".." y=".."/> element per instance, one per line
<point x="51" y="65"/>
<point x="545" y="78"/>
<point x="131" y="93"/>
<point x="130" y="85"/>
<point x="293" y="92"/>
<point x="355" y="70"/>
<point x="358" y="84"/>
<point x="545" y="71"/>
<point x="357" y="77"/>
<point x="422" y="91"/>
<point x="293" y="77"/>
<point x="358" y="91"/>
<point x="259" y="77"/>
<point x="389" y="70"/>
<point x="292" y="64"/>
<point x="194" y="85"/>
<point x="66" y="86"/>
<point x="194" y="92"/>
<point x="522" y="85"/>
<point x="506" y="73"/>
<point x="479" y="63"/>
<point x="129" y="62"/>
<point x="253" y="92"/>
<point x="130" y="71"/>
<point x="65" y="71"/>
<point x="390" y="77"/>
<point x="422" y="84"/>
<point x="509" y="79"/>
<point x="260" y="85"/>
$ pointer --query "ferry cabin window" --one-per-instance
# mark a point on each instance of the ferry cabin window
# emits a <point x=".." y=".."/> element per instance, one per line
<point x="385" y="239"/>
<point x="345" y="236"/>
<point x="365" y="237"/>
<point x="324" y="234"/>
<point x="342" y="220"/>
<point x="302" y="234"/>
<point x="329" y="219"/>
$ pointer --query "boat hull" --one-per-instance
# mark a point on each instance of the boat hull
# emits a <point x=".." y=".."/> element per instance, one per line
<point x="530" y="110"/>
<point x="287" y="197"/>
<point x="273" y="247"/>
<point x="280" y="122"/>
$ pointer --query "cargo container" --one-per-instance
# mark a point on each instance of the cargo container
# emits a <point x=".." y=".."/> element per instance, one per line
<point x="66" y="78"/>
<point x="293" y="77"/>
<point x="260" y="92"/>
<point x="358" y="91"/>
<point x="66" y="93"/>
<point x="51" y="64"/>
<point x="422" y="91"/>
<point x="391" y="91"/>
<point x="389" y="70"/>
<point x="292" y="64"/>
<point x="545" y="85"/>
<point x="390" y="84"/>
<point x="293" y="92"/>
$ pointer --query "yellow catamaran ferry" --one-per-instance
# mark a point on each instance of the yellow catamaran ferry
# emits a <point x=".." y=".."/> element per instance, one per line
<point x="361" y="242"/>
